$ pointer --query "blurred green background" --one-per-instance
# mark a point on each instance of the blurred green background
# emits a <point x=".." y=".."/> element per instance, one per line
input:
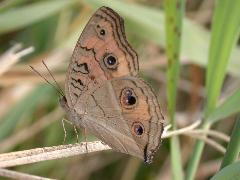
<point x="187" y="52"/>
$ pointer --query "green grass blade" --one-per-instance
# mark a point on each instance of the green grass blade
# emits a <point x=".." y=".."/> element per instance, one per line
<point x="148" y="23"/>
<point x="195" y="158"/>
<point x="174" y="14"/>
<point x="229" y="107"/>
<point x="225" y="31"/>
<point x="231" y="172"/>
<point x="20" y="17"/>
<point x="233" y="148"/>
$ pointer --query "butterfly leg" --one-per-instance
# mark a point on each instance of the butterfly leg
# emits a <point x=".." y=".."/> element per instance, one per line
<point x="76" y="132"/>
<point x="85" y="137"/>
<point x="65" y="132"/>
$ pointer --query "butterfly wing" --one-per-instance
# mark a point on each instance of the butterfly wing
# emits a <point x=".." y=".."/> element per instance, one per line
<point x="104" y="96"/>
<point x="101" y="53"/>
<point x="125" y="114"/>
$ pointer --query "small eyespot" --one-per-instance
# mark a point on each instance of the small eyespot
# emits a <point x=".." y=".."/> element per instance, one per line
<point x="128" y="98"/>
<point x="110" y="61"/>
<point x="102" y="32"/>
<point x="137" y="128"/>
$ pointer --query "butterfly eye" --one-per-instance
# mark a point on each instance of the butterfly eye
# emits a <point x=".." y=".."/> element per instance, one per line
<point x="128" y="98"/>
<point x="137" y="128"/>
<point x="110" y="61"/>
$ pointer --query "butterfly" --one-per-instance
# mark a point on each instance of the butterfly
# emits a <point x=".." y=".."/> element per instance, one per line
<point x="104" y="94"/>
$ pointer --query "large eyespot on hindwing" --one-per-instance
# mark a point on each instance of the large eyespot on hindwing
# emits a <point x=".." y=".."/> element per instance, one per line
<point x="137" y="129"/>
<point x="101" y="31"/>
<point x="128" y="98"/>
<point x="110" y="61"/>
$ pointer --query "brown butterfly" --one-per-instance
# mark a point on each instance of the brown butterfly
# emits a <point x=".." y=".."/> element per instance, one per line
<point x="104" y="93"/>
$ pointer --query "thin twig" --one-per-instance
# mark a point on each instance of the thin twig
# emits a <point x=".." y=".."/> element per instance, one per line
<point x="191" y="129"/>
<point x="19" y="175"/>
<point x="181" y="131"/>
<point x="192" y="132"/>
<point x="212" y="133"/>
<point x="55" y="152"/>
<point x="49" y="153"/>
<point x="211" y="142"/>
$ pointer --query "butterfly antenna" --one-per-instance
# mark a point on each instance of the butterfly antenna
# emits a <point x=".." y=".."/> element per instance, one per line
<point x="52" y="76"/>
<point x="46" y="80"/>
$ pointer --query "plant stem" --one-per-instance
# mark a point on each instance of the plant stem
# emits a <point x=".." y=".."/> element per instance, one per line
<point x="233" y="148"/>
<point x="174" y="14"/>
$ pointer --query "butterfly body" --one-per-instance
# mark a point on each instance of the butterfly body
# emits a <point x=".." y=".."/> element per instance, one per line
<point x="104" y="94"/>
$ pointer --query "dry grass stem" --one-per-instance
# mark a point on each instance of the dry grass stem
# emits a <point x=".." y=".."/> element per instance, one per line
<point x="191" y="129"/>
<point x="212" y="133"/>
<point x="210" y="142"/>
<point x="18" y="175"/>
<point x="12" y="56"/>
<point x="49" y="153"/>
<point x="56" y="152"/>
<point x="200" y="134"/>
<point x="167" y="134"/>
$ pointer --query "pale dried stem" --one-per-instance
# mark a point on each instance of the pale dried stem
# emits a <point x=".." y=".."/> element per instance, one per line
<point x="200" y="134"/>
<point x="49" y="153"/>
<point x="212" y="133"/>
<point x="11" y="57"/>
<point x="18" y="175"/>
<point x="55" y="152"/>
<point x="210" y="142"/>
<point x="167" y="134"/>
<point x="191" y="129"/>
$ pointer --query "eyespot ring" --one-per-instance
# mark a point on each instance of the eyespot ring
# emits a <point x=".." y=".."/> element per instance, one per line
<point x="128" y="98"/>
<point x="138" y="129"/>
<point x="101" y="31"/>
<point x="110" y="61"/>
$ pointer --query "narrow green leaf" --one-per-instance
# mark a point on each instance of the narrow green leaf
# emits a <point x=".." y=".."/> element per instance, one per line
<point x="174" y="11"/>
<point x="231" y="172"/>
<point x="194" y="160"/>
<point x="229" y="107"/>
<point x="233" y="148"/>
<point x="148" y="23"/>
<point x="20" y="17"/>
<point x="173" y="32"/>
<point x="225" y="31"/>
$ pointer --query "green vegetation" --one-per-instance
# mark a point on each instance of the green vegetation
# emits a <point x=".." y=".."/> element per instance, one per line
<point x="188" y="52"/>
